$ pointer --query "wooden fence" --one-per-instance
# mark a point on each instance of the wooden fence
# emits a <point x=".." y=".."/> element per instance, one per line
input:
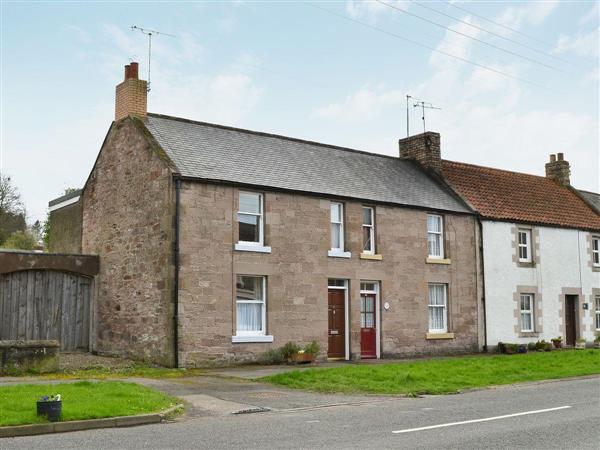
<point x="39" y="301"/>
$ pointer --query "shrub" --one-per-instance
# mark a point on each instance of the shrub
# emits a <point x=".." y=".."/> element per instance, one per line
<point x="289" y="349"/>
<point x="541" y="345"/>
<point x="313" y="348"/>
<point x="274" y="356"/>
<point x="531" y="346"/>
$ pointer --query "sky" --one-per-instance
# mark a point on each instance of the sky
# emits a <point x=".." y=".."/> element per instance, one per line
<point x="515" y="81"/>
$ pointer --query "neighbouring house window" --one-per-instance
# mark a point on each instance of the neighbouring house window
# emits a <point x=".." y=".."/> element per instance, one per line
<point x="524" y="245"/>
<point x="596" y="251"/>
<point x="250" y="305"/>
<point x="337" y="226"/>
<point x="598" y="312"/>
<point x="435" y="236"/>
<point x="438" y="308"/>
<point x="368" y="230"/>
<point x="250" y="218"/>
<point x="527" y="312"/>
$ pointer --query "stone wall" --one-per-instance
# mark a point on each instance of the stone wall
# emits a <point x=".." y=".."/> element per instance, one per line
<point x="65" y="229"/>
<point x="18" y="357"/>
<point x="128" y="209"/>
<point x="297" y="269"/>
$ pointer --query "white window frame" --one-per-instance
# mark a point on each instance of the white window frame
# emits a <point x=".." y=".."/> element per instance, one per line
<point x="529" y="312"/>
<point x="597" y="312"/>
<point x="444" y="329"/>
<point x="377" y="312"/>
<point x="526" y="246"/>
<point x="371" y="228"/>
<point x="337" y="251"/>
<point x="438" y="234"/>
<point x="252" y="246"/>
<point x="257" y="335"/>
<point x="596" y="251"/>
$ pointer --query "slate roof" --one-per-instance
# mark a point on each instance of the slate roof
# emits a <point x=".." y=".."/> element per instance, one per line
<point x="591" y="197"/>
<point x="62" y="198"/>
<point x="503" y="195"/>
<point x="217" y="153"/>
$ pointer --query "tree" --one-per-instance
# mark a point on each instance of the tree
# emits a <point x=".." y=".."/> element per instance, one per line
<point x="21" y="240"/>
<point x="12" y="210"/>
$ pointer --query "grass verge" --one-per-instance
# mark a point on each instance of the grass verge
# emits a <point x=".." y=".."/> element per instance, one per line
<point x="81" y="400"/>
<point x="102" y="372"/>
<point x="443" y="376"/>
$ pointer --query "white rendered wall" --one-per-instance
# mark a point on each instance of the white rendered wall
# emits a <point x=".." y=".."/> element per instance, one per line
<point x="563" y="263"/>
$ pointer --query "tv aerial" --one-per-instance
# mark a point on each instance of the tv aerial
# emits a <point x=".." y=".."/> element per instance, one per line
<point x="149" y="33"/>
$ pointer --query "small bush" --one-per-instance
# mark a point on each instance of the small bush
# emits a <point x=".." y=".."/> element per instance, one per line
<point x="313" y="348"/>
<point x="289" y="349"/>
<point x="531" y="346"/>
<point x="274" y="356"/>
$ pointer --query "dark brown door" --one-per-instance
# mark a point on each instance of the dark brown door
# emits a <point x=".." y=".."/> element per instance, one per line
<point x="337" y="324"/>
<point x="368" y="326"/>
<point x="570" y="319"/>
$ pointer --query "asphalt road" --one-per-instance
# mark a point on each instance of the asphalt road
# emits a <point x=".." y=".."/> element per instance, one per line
<point x="562" y="414"/>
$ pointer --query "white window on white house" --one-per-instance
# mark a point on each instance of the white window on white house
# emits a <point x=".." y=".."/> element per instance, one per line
<point x="438" y="308"/>
<point x="524" y="245"/>
<point x="251" y="305"/>
<point x="337" y="226"/>
<point x="368" y="230"/>
<point x="527" y="313"/>
<point x="435" y="236"/>
<point x="597" y="301"/>
<point x="250" y="218"/>
<point x="596" y="251"/>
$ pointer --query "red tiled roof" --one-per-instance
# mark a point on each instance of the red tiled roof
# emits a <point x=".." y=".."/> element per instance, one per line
<point x="503" y="195"/>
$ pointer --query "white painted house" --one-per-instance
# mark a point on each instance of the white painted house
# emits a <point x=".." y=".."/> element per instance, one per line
<point x="540" y="252"/>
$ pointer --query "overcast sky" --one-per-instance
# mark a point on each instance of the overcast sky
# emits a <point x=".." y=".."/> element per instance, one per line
<point x="335" y="72"/>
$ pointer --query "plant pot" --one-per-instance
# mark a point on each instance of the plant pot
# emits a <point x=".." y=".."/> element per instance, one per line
<point x="303" y="358"/>
<point x="580" y="345"/>
<point x="557" y="344"/>
<point x="508" y="350"/>
<point x="51" y="409"/>
<point x="596" y="344"/>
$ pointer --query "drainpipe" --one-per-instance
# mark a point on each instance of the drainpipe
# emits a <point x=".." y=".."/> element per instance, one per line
<point x="480" y="244"/>
<point x="176" y="275"/>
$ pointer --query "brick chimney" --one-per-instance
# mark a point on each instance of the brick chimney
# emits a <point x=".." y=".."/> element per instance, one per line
<point x="558" y="169"/>
<point x="131" y="94"/>
<point x="423" y="148"/>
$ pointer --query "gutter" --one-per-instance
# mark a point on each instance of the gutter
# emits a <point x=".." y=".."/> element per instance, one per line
<point x="177" y="180"/>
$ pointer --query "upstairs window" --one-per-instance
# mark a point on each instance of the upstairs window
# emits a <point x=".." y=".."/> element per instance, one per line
<point x="438" y="308"/>
<point x="596" y="251"/>
<point x="250" y="305"/>
<point x="527" y="312"/>
<point x="337" y="226"/>
<point x="250" y="218"/>
<point x="435" y="236"/>
<point x="368" y="230"/>
<point x="524" y="245"/>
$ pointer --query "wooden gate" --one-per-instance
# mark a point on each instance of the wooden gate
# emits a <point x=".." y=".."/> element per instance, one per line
<point x="46" y="304"/>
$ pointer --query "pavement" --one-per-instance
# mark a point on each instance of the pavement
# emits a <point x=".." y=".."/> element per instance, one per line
<point x="556" y="414"/>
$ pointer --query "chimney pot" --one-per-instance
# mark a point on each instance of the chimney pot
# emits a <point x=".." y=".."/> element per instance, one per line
<point x="560" y="156"/>
<point x="134" y="70"/>
<point x="127" y="71"/>
<point x="552" y="158"/>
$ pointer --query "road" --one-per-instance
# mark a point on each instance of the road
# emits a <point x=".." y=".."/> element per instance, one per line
<point x="560" y="414"/>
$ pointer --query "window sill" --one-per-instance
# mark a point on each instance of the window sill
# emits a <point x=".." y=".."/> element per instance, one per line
<point x="438" y="261"/>
<point x="525" y="264"/>
<point x="595" y="268"/>
<point x="252" y="248"/>
<point x="375" y="257"/>
<point x="338" y="254"/>
<point x="251" y="339"/>
<point x="526" y="334"/>
<point x="433" y="336"/>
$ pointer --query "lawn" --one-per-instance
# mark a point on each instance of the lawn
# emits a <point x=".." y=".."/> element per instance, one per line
<point x="81" y="400"/>
<point x="137" y="370"/>
<point x="443" y="376"/>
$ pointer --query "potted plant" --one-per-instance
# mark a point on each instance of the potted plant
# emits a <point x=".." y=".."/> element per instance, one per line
<point x="307" y="354"/>
<point x="597" y="340"/>
<point x="289" y="350"/>
<point x="580" y="344"/>
<point x="511" y="348"/>
<point x="540" y="346"/>
<point x="50" y="406"/>
<point x="557" y="342"/>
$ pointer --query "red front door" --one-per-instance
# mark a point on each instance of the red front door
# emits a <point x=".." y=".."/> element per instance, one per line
<point x="368" y="326"/>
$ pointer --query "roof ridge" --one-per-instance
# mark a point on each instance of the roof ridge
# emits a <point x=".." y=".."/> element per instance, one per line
<point x="273" y="135"/>
<point x="586" y="191"/>
<point x="495" y="168"/>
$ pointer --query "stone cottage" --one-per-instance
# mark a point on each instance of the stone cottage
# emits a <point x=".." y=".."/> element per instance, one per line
<point x="218" y="244"/>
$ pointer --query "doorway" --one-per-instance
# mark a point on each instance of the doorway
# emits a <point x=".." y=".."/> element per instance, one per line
<point x="571" y="319"/>
<point x="337" y="300"/>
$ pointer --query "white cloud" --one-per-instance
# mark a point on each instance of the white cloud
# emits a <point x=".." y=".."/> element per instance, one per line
<point x="532" y="13"/>
<point x="593" y="15"/>
<point x="371" y="10"/>
<point x="583" y="44"/>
